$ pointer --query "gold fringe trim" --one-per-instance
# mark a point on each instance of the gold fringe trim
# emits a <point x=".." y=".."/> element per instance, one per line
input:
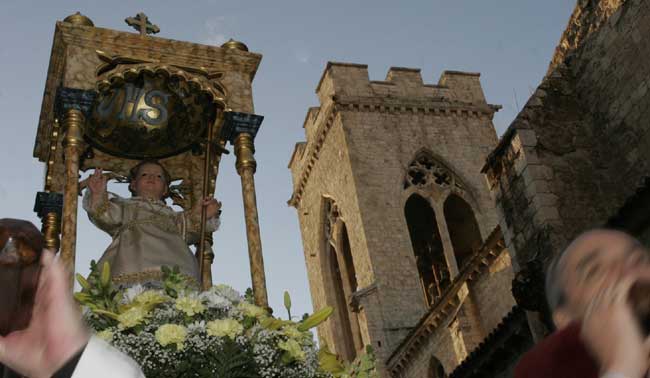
<point x="148" y="276"/>
<point x="161" y="223"/>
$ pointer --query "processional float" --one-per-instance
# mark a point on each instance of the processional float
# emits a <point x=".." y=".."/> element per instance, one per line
<point x="113" y="98"/>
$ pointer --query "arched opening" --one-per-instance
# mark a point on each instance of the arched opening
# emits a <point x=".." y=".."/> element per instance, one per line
<point x="436" y="370"/>
<point x="349" y="279"/>
<point x="463" y="229"/>
<point x="427" y="247"/>
<point x="346" y="253"/>
<point x="345" y="346"/>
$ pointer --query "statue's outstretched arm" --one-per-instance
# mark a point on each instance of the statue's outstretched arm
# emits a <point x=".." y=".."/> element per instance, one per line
<point x="106" y="214"/>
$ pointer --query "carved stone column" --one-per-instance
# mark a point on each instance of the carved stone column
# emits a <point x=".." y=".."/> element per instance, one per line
<point x="49" y="207"/>
<point x="240" y="129"/>
<point x="72" y="105"/>
<point x="447" y="247"/>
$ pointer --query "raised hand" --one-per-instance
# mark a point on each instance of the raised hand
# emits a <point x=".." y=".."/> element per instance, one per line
<point x="56" y="331"/>
<point x="613" y="334"/>
<point x="97" y="183"/>
<point x="213" y="207"/>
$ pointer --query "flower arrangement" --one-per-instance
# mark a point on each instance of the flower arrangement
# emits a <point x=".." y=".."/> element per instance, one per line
<point x="177" y="331"/>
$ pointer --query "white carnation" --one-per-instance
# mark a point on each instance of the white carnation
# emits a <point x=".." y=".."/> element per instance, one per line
<point x="131" y="293"/>
<point x="214" y="300"/>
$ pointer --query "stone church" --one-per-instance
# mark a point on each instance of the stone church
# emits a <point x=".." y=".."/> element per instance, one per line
<point x="394" y="211"/>
<point x="429" y="235"/>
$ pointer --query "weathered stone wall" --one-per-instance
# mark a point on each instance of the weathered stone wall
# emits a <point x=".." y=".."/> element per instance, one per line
<point x="580" y="146"/>
<point x="360" y="142"/>
<point x="382" y="142"/>
<point x="612" y="79"/>
<point x="488" y="300"/>
<point x="440" y="346"/>
<point x="491" y="293"/>
<point x="540" y="176"/>
<point x="340" y="188"/>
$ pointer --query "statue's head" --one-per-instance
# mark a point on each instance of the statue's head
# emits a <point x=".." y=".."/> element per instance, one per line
<point x="149" y="179"/>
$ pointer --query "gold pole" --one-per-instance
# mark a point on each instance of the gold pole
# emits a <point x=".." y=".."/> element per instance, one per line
<point x="206" y="278"/>
<point x="72" y="148"/>
<point x="208" y="258"/>
<point x="51" y="231"/>
<point x="246" y="165"/>
<point x="48" y="206"/>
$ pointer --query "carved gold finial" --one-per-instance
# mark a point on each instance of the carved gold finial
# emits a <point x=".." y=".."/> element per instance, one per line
<point x="141" y="23"/>
<point x="78" y="19"/>
<point x="232" y="44"/>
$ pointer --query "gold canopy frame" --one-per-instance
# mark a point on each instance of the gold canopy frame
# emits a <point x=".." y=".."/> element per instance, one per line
<point x="88" y="61"/>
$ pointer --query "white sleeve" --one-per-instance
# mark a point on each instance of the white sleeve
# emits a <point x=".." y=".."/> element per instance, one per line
<point x="213" y="224"/>
<point x="100" y="360"/>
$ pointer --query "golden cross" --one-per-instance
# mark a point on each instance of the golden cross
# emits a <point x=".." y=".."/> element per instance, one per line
<point x="142" y="24"/>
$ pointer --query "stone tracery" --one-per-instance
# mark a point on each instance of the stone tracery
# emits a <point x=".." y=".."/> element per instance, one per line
<point x="425" y="172"/>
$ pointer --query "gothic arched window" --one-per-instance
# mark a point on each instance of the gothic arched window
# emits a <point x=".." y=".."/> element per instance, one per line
<point x="463" y="229"/>
<point x="427" y="247"/>
<point x="345" y="345"/>
<point x="342" y="275"/>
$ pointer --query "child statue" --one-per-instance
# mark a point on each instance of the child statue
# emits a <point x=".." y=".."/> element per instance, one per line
<point x="147" y="234"/>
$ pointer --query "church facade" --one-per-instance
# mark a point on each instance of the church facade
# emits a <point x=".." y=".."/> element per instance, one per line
<point x="398" y="226"/>
<point x="429" y="236"/>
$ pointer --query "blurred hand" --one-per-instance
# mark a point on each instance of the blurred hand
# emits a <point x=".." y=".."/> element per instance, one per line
<point x="613" y="334"/>
<point x="97" y="185"/>
<point x="56" y="331"/>
<point x="212" y="207"/>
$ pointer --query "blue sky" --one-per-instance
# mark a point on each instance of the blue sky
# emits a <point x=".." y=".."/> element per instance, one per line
<point x="510" y="42"/>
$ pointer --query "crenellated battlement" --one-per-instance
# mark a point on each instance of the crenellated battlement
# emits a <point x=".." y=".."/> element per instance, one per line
<point x="347" y="86"/>
<point x="352" y="80"/>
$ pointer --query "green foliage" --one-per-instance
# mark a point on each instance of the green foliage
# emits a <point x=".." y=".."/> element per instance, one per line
<point x="179" y="332"/>
<point x="364" y="366"/>
<point x="173" y="281"/>
<point x="233" y="362"/>
<point x="98" y="293"/>
<point x="228" y="360"/>
<point x="316" y="319"/>
<point x="329" y="362"/>
<point x="248" y="295"/>
<point x="287" y="303"/>
<point x="272" y="323"/>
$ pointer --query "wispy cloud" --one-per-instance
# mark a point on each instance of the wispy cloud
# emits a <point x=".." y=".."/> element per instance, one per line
<point x="302" y="55"/>
<point x="215" y="31"/>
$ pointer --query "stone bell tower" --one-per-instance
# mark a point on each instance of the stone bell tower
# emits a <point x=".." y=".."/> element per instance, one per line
<point x="392" y="207"/>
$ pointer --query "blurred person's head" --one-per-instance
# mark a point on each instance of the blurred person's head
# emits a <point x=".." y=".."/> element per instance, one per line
<point x="594" y="259"/>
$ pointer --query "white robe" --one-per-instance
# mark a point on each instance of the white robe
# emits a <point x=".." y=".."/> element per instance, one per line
<point x="146" y="236"/>
<point x="100" y="360"/>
